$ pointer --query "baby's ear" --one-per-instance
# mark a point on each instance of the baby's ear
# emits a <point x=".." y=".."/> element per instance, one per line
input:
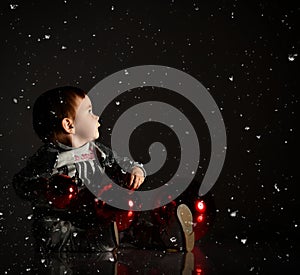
<point x="68" y="125"/>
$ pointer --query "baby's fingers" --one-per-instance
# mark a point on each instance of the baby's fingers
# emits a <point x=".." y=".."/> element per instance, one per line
<point x="136" y="183"/>
<point x="131" y="181"/>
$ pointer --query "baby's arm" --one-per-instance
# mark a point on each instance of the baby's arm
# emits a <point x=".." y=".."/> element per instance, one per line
<point x="121" y="169"/>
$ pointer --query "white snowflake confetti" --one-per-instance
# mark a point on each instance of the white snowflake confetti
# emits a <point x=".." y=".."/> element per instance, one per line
<point x="63" y="47"/>
<point x="276" y="187"/>
<point x="231" y="78"/>
<point x="13" y="6"/>
<point x="47" y="36"/>
<point x="118" y="103"/>
<point x="243" y="241"/>
<point x="247" y="128"/>
<point x="233" y="214"/>
<point x="292" y="57"/>
<point x="173" y="239"/>
<point x="15" y="100"/>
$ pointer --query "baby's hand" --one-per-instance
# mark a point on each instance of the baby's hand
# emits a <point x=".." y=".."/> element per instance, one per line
<point x="136" y="178"/>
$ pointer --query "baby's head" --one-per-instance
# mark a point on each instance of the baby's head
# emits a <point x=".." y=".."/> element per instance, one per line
<point x="64" y="114"/>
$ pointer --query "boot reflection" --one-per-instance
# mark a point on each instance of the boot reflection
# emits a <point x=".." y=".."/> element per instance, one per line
<point x="152" y="262"/>
<point x="125" y="261"/>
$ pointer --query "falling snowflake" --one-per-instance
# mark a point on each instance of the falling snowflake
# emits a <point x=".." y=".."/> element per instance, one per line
<point x="173" y="239"/>
<point x="15" y="100"/>
<point x="243" y="241"/>
<point x="63" y="47"/>
<point x="231" y="78"/>
<point x="292" y="57"/>
<point x="233" y="214"/>
<point x="13" y="6"/>
<point x="47" y="36"/>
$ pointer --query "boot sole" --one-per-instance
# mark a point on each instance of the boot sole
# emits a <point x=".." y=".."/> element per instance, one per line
<point x="185" y="217"/>
<point x="116" y="233"/>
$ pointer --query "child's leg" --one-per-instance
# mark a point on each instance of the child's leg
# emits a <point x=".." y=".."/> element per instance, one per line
<point x="176" y="227"/>
<point x="102" y="237"/>
<point x="55" y="235"/>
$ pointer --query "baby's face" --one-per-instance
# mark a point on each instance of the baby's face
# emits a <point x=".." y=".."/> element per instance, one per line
<point x="86" y="123"/>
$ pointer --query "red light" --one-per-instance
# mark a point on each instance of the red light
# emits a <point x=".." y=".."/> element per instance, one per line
<point x="130" y="213"/>
<point x="200" y="218"/>
<point x="200" y="206"/>
<point x="198" y="270"/>
<point x="70" y="196"/>
<point x="71" y="189"/>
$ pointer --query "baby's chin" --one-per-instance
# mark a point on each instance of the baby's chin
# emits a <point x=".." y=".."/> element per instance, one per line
<point x="97" y="135"/>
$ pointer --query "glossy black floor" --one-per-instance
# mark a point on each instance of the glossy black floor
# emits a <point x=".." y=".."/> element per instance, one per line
<point x="221" y="251"/>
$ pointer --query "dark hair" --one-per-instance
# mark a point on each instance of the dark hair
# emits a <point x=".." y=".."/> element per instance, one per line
<point x="51" y="107"/>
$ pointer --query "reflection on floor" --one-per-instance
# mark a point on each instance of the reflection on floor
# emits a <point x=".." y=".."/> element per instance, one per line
<point x="210" y="257"/>
<point x="124" y="261"/>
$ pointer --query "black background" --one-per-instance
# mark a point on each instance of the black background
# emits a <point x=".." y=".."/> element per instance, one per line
<point x="244" y="52"/>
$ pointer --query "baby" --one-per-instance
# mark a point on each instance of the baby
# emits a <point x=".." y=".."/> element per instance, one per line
<point x="65" y="212"/>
